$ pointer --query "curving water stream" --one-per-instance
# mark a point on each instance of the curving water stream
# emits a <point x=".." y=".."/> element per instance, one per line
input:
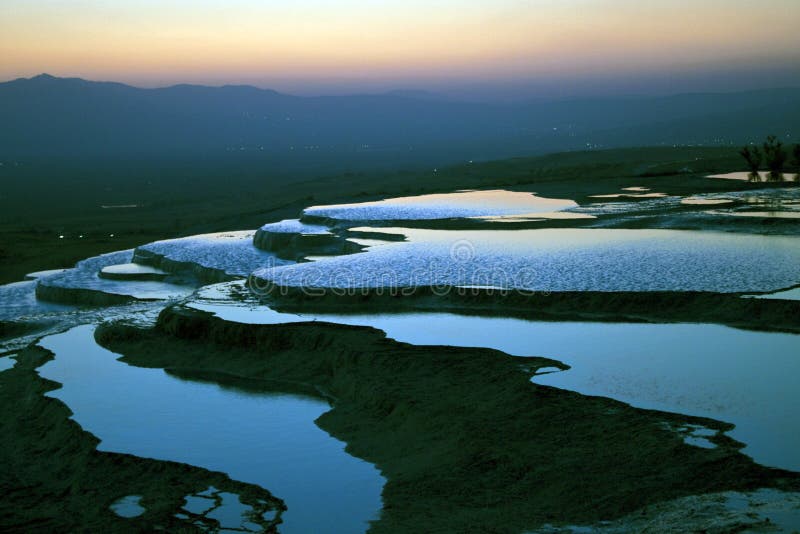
<point x="266" y="439"/>
<point x="743" y="377"/>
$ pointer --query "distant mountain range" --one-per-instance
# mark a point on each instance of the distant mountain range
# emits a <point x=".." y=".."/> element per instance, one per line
<point x="46" y="116"/>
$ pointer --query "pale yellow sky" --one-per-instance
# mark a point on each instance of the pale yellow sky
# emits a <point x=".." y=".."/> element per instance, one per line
<point x="151" y="43"/>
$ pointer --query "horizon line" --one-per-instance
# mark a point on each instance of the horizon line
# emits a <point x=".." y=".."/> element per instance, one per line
<point x="389" y="92"/>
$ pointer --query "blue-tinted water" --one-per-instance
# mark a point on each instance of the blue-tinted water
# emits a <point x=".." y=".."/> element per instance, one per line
<point x="132" y="269"/>
<point x="294" y="226"/>
<point x="128" y="506"/>
<point x="744" y="377"/>
<point x="6" y="363"/>
<point x="85" y="275"/>
<point x="559" y="260"/>
<point x="231" y="252"/>
<point x="18" y="300"/>
<point x="443" y="206"/>
<point x="269" y="440"/>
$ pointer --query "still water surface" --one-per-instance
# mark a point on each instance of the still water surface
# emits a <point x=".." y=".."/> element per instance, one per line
<point x="266" y="439"/>
<point x="743" y="377"/>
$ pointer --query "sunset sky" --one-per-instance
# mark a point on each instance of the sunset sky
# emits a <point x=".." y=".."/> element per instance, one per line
<point x="310" y="46"/>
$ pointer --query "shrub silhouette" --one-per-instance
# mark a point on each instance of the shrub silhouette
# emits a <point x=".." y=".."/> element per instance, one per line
<point x="775" y="157"/>
<point x="753" y="158"/>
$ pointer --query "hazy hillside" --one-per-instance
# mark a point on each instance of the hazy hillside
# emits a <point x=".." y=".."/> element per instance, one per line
<point x="57" y="117"/>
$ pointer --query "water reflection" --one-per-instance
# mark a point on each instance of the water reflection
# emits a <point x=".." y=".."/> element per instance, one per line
<point x="764" y="214"/>
<point x="746" y="378"/>
<point x="18" y="301"/>
<point x="265" y="439"/>
<point x="743" y="377"/>
<point x="86" y="276"/>
<point x="132" y="271"/>
<point x="558" y="260"/>
<point x="745" y="176"/>
<point x="443" y="206"/>
<point x="128" y="506"/>
<point x="229" y="252"/>
<point x="6" y="363"/>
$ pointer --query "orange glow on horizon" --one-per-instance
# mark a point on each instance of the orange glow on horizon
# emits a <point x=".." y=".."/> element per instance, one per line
<point x="147" y="41"/>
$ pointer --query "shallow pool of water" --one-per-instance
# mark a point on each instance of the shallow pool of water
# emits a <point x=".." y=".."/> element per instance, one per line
<point x="6" y="363"/>
<point x="559" y="260"/>
<point x="266" y="439"/>
<point x="629" y="207"/>
<point x="132" y="269"/>
<point x="762" y="214"/>
<point x="295" y="226"/>
<point x="745" y="176"/>
<point x="18" y="301"/>
<point x="443" y="206"/>
<point x="230" y="252"/>
<point x="532" y="217"/>
<point x="85" y="275"/>
<point x="42" y="274"/>
<point x="768" y="199"/>
<point x="738" y="376"/>
<point x="743" y="377"/>
<point x="630" y="195"/>
<point x="697" y="201"/>
<point x="788" y="294"/>
<point x="128" y="506"/>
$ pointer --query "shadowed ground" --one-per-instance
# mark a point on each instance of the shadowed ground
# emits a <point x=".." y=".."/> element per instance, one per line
<point x="46" y="199"/>
<point x="466" y="441"/>
<point x="54" y="479"/>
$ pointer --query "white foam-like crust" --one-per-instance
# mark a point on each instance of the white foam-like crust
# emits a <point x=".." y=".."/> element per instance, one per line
<point x="784" y="196"/>
<point x="443" y="206"/>
<point x="18" y="300"/>
<point x="561" y="260"/>
<point x="786" y="294"/>
<point x="295" y="226"/>
<point x="231" y="252"/>
<point x="777" y="199"/>
<point x="695" y="201"/>
<point x="528" y="217"/>
<point x="782" y="203"/>
<point x="622" y="207"/>
<point x="132" y="269"/>
<point x="42" y="274"/>
<point x="762" y="214"/>
<point x="85" y="276"/>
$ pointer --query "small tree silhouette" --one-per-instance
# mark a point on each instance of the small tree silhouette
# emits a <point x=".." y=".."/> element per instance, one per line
<point x="775" y="157"/>
<point x="753" y="158"/>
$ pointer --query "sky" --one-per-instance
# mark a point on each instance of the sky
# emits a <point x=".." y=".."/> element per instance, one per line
<point x="489" y="46"/>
